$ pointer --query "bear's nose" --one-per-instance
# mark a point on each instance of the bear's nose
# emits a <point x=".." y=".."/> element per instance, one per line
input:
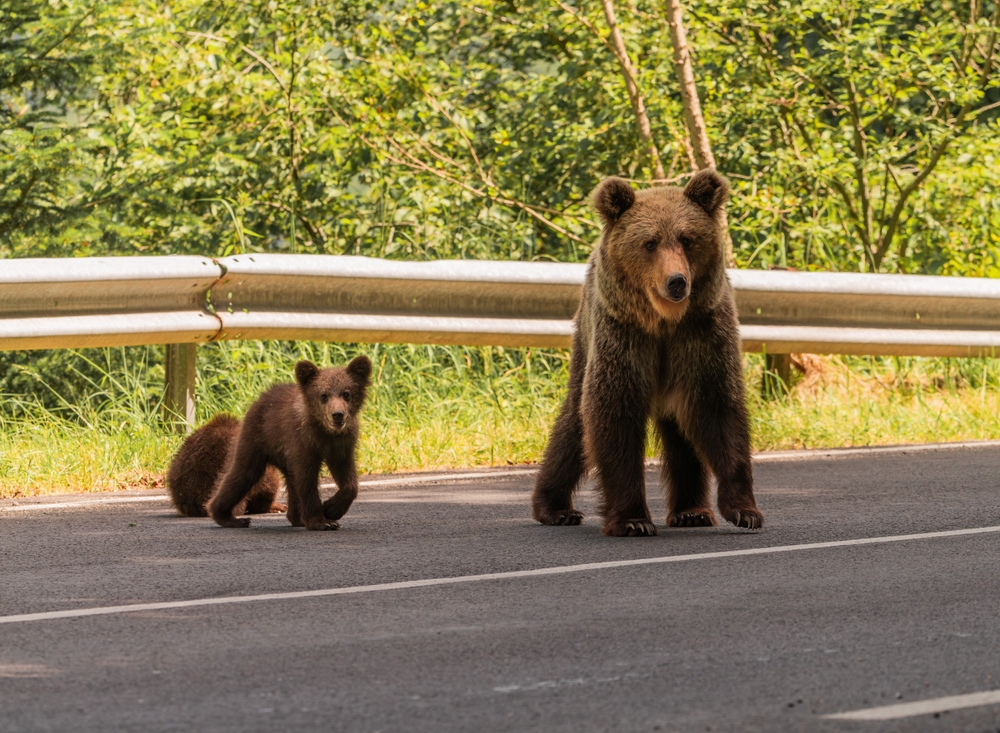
<point x="677" y="287"/>
<point x="338" y="418"/>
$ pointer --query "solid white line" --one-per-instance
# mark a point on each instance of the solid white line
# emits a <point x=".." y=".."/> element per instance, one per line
<point x="83" y="502"/>
<point x="812" y="453"/>
<point x="402" y="481"/>
<point x="432" y="478"/>
<point x="921" y="707"/>
<point x="791" y="455"/>
<point x="558" y="570"/>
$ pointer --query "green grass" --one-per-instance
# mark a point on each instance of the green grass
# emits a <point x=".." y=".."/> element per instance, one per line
<point x="442" y="407"/>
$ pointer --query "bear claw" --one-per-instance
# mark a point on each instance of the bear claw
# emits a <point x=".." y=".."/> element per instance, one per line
<point x="238" y="522"/>
<point x="323" y="525"/>
<point x="693" y="518"/>
<point x="630" y="528"/>
<point x="746" y="518"/>
<point x="564" y="518"/>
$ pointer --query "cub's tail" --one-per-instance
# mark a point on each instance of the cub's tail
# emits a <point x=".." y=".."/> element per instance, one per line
<point x="199" y="462"/>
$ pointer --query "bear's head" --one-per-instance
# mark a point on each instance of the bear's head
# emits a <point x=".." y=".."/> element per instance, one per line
<point x="334" y="397"/>
<point x="661" y="248"/>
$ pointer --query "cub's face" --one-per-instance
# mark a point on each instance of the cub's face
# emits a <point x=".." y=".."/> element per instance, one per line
<point x="664" y="241"/>
<point x="334" y="396"/>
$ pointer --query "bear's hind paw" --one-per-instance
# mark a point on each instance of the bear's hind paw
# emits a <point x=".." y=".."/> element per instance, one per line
<point x="323" y="525"/>
<point x="693" y="518"/>
<point x="238" y="522"/>
<point x="629" y="528"/>
<point x="277" y="508"/>
<point x="564" y="518"/>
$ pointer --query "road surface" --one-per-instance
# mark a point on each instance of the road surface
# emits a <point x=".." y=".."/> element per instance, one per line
<point x="873" y="593"/>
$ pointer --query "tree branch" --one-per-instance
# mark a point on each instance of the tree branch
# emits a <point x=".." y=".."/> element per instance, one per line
<point x="635" y="96"/>
<point x="689" y="91"/>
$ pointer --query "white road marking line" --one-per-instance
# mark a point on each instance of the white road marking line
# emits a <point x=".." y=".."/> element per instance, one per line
<point x="776" y="456"/>
<point x="922" y="707"/>
<point x="83" y="502"/>
<point x="430" y="582"/>
<point x="402" y="481"/>
<point x="812" y="453"/>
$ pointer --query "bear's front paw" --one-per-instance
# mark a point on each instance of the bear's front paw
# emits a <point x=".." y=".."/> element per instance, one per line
<point x="564" y="517"/>
<point x="629" y="528"/>
<point x="277" y="508"/>
<point x="321" y="525"/>
<point x="748" y="518"/>
<point x="692" y="518"/>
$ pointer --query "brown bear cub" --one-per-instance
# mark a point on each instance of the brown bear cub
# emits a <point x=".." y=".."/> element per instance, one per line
<point x="655" y="336"/>
<point x="296" y="428"/>
<point x="203" y="458"/>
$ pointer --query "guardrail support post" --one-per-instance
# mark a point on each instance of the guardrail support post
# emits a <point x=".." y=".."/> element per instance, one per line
<point x="178" y="403"/>
<point x="777" y="372"/>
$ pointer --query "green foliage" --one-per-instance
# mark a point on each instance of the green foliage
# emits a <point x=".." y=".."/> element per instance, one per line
<point x="437" y="407"/>
<point x="858" y="136"/>
<point x="429" y="407"/>
<point x="45" y="62"/>
<point x="858" y="127"/>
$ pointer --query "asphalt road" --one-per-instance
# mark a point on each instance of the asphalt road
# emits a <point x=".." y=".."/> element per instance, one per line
<point x="705" y="636"/>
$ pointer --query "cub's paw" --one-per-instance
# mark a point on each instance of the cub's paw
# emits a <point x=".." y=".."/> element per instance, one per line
<point x="563" y="517"/>
<point x="232" y="521"/>
<point x="322" y="525"/>
<point x="692" y="518"/>
<point x="748" y="518"/>
<point x="629" y="528"/>
<point x="277" y="508"/>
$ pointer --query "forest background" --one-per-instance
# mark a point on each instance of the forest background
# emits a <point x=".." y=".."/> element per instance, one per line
<point x="858" y="136"/>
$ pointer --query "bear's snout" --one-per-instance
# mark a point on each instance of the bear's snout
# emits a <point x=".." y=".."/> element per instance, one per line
<point x="338" y="418"/>
<point x="677" y="287"/>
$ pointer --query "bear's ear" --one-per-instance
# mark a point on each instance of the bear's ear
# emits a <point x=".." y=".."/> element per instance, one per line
<point x="305" y="372"/>
<point x="708" y="190"/>
<point x="360" y="369"/>
<point x="612" y="199"/>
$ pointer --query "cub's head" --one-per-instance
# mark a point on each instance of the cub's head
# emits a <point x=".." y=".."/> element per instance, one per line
<point x="334" y="396"/>
<point x="665" y="245"/>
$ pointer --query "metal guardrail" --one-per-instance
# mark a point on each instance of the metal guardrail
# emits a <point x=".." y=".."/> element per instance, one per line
<point x="105" y="301"/>
<point x="324" y="298"/>
<point x="46" y="303"/>
<point x="111" y="301"/>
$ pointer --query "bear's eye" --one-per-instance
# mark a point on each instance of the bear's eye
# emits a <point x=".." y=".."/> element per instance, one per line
<point x="324" y="397"/>
<point x="346" y="395"/>
<point x="686" y="241"/>
<point x="650" y="245"/>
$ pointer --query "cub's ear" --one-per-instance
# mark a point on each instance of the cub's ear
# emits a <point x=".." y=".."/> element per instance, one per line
<point x="708" y="190"/>
<point x="360" y="369"/>
<point x="305" y="372"/>
<point x="612" y="199"/>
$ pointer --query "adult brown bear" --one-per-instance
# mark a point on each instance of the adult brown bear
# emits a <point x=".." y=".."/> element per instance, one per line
<point x="655" y="336"/>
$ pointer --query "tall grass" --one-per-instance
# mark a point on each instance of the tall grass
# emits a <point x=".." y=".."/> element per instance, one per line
<point x="438" y="407"/>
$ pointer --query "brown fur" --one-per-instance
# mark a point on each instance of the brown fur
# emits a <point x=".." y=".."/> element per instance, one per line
<point x="202" y="460"/>
<point x="656" y="337"/>
<point x="297" y="428"/>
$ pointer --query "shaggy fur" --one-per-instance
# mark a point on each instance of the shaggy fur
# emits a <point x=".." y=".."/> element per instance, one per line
<point x="297" y="428"/>
<point x="203" y="459"/>
<point x="656" y="337"/>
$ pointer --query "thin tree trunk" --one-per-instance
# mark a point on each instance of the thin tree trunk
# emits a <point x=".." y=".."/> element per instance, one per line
<point x="693" y="119"/>
<point x="635" y="96"/>
<point x="689" y="92"/>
